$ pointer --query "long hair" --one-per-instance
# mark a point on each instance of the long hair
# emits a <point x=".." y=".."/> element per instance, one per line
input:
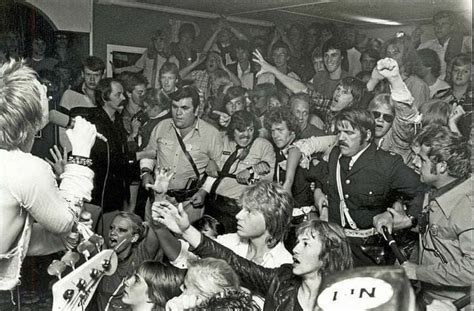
<point x="335" y="252"/>
<point x="163" y="281"/>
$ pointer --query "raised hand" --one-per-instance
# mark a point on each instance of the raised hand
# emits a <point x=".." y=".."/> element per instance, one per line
<point x="264" y="65"/>
<point x="174" y="218"/>
<point x="388" y="68"/>
<point x="59" y="160"/>
<point x="162" y="181"/>
<point x="224" y="118"/>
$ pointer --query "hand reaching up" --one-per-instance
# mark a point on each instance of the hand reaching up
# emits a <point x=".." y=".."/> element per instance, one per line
<point x="174" y="218"/>
<point x="162" y="181"/>
<point x="388" y="68"/>
<point x="265" y="66"/>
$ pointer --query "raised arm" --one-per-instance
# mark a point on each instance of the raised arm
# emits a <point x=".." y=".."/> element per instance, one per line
<point x="290" y="83"/>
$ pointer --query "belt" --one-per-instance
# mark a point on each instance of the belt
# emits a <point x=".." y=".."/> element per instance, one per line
<point x="304" y="210"/>
<point x="360" y="233"/>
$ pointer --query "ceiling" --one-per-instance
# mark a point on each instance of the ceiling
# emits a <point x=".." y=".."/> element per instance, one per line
<point x="355" y="12"/>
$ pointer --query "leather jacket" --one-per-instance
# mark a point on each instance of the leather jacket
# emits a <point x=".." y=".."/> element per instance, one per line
<point x="278" y="286"/>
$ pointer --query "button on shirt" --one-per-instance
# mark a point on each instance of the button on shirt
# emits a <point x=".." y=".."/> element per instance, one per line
<point x="203" y="143"/>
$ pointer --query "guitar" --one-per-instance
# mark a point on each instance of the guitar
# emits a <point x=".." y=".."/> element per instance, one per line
<point x="75" y="290"/>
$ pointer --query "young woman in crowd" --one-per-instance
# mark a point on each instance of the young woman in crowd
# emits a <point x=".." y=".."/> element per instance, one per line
<point x="151" y="286"/>
<point x="321" y="249"/>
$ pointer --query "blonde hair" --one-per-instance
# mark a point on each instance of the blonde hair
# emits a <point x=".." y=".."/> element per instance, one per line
<point x="210" y="276"/>
<point x="21" y="114"/>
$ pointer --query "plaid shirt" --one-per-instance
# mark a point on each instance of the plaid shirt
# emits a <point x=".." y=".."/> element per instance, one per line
<point x="320" y="105"/>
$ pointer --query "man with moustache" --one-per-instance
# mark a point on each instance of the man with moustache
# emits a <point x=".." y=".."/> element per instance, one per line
<point x="245" y="158"/>
<point x="184" y="145"/>
<point x="362" y="182"/>
<point x="109" y="160"/>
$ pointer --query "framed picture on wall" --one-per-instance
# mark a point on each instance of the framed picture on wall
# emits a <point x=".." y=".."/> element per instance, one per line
<point x="122" y="56"/>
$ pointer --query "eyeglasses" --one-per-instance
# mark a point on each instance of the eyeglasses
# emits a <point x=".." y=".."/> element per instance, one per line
<point x="386" y="117"/>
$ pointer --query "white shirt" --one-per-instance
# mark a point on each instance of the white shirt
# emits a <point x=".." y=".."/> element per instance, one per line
<point x="274" y="258"/>
<point x="356" y="156"/>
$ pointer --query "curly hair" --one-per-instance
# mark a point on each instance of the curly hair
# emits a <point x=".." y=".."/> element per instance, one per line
<point x="240" y="120"/>
<point x="230" y="299"/>
<point x="21" y="111"/>
<point x="282" y="114"/>
<point x="274" y="203"/>
<point x="335" y="252"/>
<point x="446" y="146"/>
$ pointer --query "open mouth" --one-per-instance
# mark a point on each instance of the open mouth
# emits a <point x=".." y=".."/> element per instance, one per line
<point x="295" y="261"/>
<point x="113" y="241"/>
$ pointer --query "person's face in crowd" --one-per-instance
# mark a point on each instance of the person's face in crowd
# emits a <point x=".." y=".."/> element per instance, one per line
<point x="332" y="60"/>
<point x="116" y="99"/>
<point x="242" y="55"/>
<point x="235" y="104"/>
<point x="341" y="98"/>
<point x="395" y="52"/>
<point x="423" y="165"/>
<point x="186" y="38"/>
<point x="312" y="37"/>
<point x="461" y="75"/>
<point x="224" y="36"/>
<point x="150" y="110"/>
<point x="375" y="44"/>
<point x="318" y="64"/>
<point x="61" y="41"/>
<point x="39" y="47"/>
<point x="168" y="82"/>
<point x="361" y="43"/>
<point x="280" y="57"/>
<point x="135" y="291"/>
<point x="368" y="63"/>
<point x="183" y="113"/>
<point x="259" y="99"/>
<point x="443" y="27"/>
<point x="325" y="35"/>
<point x="300" y="109"/>
<point x="295" y="36"/>
<point x="274" y="102"/>
<point x="384" y="117"/>
<point x="250" y="223"/>
<point x="212" y="62"/>
<point x="121" y="233"/>
<point x="91" y="78"/>
<point x="281" y="135"/>
<point x="350" y="139"/>
<point x="350" y="36"/>
<point x="159" y="42"/>
<point x="244" y="138"/>
<point x="306" y="255"/>
<point x="138" y="94"/>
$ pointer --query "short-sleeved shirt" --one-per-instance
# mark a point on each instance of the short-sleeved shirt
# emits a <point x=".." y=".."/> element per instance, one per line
<point x="204" y="143"/>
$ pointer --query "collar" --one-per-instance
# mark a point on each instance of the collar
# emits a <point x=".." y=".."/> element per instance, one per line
<point x="357" y="156"/>
<point x="452" y="194"/>
<point x="436" y="193"/>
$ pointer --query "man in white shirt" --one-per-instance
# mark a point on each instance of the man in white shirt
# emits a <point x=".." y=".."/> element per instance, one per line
<point x="449" y="40"/>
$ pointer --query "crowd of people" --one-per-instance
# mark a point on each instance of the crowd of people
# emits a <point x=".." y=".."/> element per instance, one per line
<point x="240" y="176"/>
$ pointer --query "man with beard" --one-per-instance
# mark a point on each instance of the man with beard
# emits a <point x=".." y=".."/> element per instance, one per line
<point x="245" y="158"/>
<point x="93" y="69"/>
<point x="362" y="183"/>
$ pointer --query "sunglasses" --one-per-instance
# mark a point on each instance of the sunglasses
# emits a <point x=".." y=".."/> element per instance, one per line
<point x="386" y="117"/>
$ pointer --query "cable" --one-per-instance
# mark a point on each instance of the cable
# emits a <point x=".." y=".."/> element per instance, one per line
<point x="102" y="197"/>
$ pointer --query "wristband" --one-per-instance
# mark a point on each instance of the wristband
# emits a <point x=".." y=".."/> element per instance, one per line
<point x="79" y="161"/>
<point x="144" y="173"/>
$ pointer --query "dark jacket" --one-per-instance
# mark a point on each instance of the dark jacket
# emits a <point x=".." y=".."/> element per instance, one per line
<point x="375" y="181"/>
<point x="278" y="286"/>
<point x="114" y="157"/>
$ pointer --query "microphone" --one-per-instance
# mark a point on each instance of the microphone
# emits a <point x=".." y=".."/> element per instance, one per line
<point x="65" y="121"/>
